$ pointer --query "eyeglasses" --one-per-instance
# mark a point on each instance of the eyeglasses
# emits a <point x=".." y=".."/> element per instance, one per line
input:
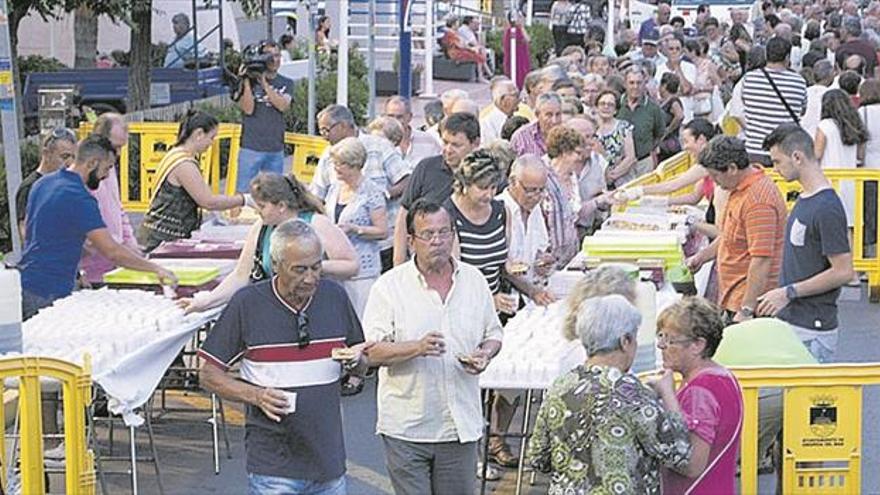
<point x="428" y="235"/>
<point x="302" y="330"/>
<point x="531" y="191"/>
<point x="663" y="340"/>
<point x="325" y="131"/>
<point x="606" y="104"/>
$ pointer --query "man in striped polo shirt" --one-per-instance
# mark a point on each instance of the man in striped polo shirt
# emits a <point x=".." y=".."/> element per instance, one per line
<point x="283" y="333"/>
<point x="765" y="109"/>
<point x="748" y="251"/>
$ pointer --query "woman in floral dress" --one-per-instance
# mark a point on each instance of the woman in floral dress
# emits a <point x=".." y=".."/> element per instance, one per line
<point x="600" y="430"/>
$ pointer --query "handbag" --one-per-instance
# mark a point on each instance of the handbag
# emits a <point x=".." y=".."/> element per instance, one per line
<point x="794" y="116"/>
<point x="703" y="103"/>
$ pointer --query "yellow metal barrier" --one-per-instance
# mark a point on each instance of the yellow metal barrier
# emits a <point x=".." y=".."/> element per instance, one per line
<point x="857" y="176"/>
<point x="76" y="386"/>
<point x="219" y="165"/>
<point x="822" y="425"/>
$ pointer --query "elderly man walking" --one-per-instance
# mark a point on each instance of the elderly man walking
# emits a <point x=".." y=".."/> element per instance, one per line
<point x="432" y="328"/>
<point x="284" y="332"/>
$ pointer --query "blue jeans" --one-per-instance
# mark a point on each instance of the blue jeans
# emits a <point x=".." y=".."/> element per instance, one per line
<point x="251" y="162"/>
<point x="259" y="484"/>
<point x="822" y="344"/>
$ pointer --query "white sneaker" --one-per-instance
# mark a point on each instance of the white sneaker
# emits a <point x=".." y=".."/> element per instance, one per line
<point x="492" y="473"/>
<point x="54" y="458"/>
<point x="55" y="453"/>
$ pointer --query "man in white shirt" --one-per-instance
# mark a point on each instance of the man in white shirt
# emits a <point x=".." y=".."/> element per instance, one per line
<point x="686" y="72"/>
<point x="529" y="241"/>
<point x="528" y="248"/>
<point x="505" y="100"/>
<point x="823" y="70"/>
<point x="432" y="329"/>
<point x="416" y="145"/>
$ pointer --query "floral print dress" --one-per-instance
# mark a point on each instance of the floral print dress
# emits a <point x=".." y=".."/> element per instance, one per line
<point x="614" y="141"/>
<point x="600" y="431"/>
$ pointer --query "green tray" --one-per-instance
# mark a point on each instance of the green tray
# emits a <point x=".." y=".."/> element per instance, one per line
<point x="186" y="276"/>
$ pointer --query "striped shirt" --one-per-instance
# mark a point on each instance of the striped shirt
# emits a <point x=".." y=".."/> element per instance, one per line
<point x="754" y="226"/>
<point x="764" y="111"/>
<point x="528" y="140"/>
<point x="483" y="246"/>
<point x="260" y="331"/>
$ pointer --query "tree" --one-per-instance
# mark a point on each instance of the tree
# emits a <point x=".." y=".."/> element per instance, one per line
<point x="85" y="34"/>
<point x="51" y="9"/>
<point x="139" y="68"/>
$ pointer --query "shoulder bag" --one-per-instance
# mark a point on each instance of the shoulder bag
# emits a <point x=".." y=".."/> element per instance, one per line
<point x="794" y="116"/>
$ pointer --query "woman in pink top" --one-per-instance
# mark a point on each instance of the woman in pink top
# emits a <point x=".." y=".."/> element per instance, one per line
<point x="688" y="333"/>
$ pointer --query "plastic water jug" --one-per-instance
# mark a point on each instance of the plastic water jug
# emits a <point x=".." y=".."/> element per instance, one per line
<point x="10" y="311"/>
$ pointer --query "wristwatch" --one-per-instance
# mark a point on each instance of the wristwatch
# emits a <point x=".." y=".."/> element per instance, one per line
<point x="747" y="312"/>
<point x="791" y="292"/>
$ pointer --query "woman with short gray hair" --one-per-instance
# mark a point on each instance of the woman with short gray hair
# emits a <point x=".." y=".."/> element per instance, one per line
<point x="600" y="427"/>
<point x="357" y="205"/>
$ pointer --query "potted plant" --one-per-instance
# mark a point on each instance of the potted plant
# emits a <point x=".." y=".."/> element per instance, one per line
<point x="388" y="82"/>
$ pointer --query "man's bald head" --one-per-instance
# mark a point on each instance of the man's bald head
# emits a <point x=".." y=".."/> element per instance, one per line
<point x="584" y="126"/>
<point x="465" y="105"/>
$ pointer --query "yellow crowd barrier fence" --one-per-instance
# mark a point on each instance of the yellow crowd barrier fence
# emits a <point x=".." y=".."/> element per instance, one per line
<point x="219" y="165"/>
<point x="76" y="388"/>
<point x="821" y="424"/>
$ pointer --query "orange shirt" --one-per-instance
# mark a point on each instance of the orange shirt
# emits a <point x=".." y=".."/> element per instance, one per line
<point x="754" y="225"/>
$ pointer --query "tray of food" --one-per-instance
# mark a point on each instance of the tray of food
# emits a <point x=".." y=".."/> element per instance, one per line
<point x="186" y="276"/>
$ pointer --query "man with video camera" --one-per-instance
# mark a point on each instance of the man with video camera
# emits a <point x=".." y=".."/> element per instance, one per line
<point x="265" y="96"/>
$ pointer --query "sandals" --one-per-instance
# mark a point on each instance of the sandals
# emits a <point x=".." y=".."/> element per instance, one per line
<point x="500" y="454"/>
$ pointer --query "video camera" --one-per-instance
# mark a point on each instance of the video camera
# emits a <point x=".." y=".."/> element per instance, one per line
<point x="255" y="64"/>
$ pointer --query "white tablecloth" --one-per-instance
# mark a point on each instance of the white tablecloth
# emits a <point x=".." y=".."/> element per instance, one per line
<point x="131" y="336"/>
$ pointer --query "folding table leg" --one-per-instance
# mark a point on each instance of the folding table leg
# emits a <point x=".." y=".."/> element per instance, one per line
<point x="522" y="450"/>
<point x="153" y="450"/>
<point x="134" y="476"/>
<point x="215" y="441"/>
<point x="486" y="432"/>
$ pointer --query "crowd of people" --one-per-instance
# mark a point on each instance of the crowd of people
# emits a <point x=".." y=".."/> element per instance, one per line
<point x="412" y="247"/>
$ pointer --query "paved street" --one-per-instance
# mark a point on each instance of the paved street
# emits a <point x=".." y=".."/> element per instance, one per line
<point x="185" y="447"/>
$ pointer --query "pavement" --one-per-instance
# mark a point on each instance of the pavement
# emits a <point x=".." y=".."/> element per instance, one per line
<point x="183" y="440"/>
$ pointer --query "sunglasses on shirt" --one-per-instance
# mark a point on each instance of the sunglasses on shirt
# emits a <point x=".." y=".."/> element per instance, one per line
<point x="302" y="331"/>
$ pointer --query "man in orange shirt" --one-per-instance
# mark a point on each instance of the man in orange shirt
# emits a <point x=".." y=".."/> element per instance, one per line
<point x="748" y="251"/>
